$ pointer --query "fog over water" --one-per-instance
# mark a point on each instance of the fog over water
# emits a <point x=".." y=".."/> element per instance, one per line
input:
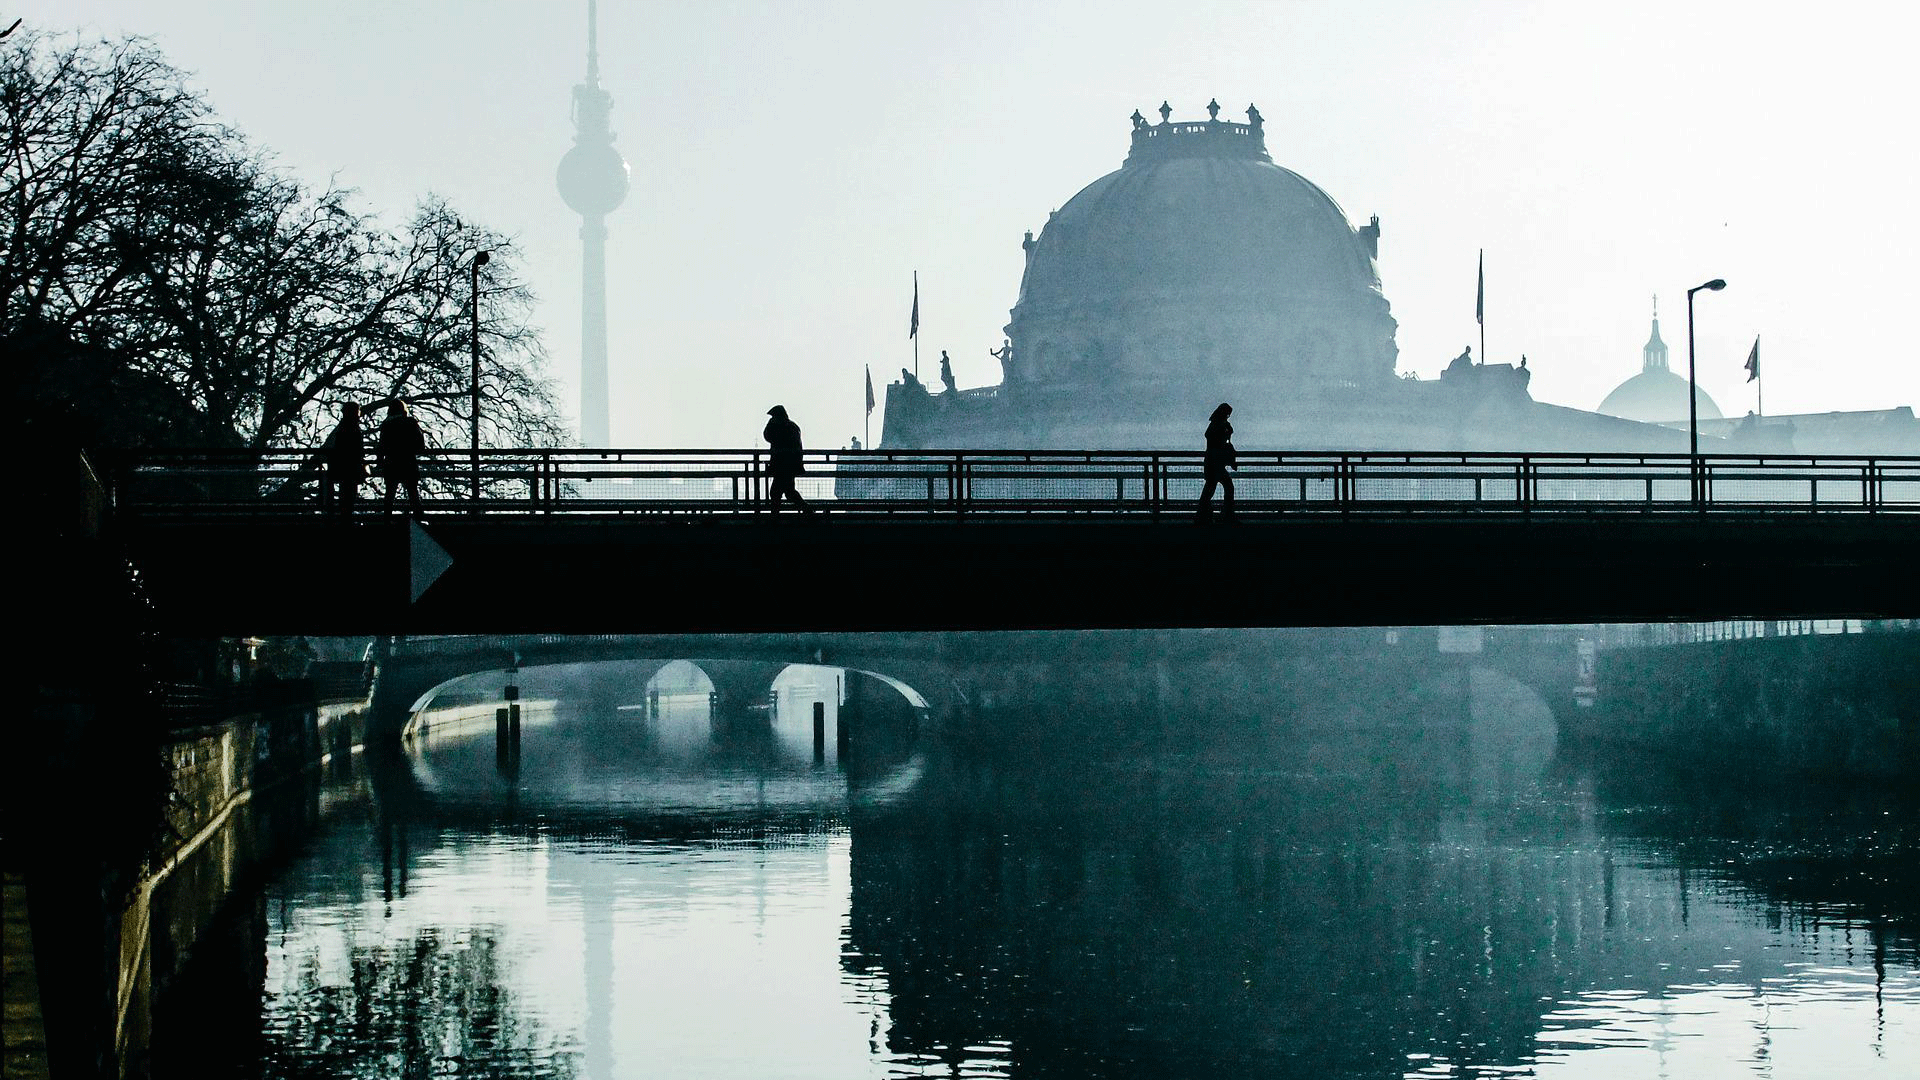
<point x="1089" y="878"/>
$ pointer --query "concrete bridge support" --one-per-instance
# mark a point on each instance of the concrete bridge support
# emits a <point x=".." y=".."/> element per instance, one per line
<point x="740" y="685"/>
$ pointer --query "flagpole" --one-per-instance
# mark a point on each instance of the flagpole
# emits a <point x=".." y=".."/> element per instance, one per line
<point x="1759" y="382"/>
<point x="1482" y="312"/>
<point x="916" y="324"/>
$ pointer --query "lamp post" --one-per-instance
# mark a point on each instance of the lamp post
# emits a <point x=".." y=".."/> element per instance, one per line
<point x="479" y="260"/>
<point x="1692" y="392"/>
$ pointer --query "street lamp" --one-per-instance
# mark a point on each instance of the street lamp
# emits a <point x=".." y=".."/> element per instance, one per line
<point x="1692" y="391"/>
<point x="479" y="260"/>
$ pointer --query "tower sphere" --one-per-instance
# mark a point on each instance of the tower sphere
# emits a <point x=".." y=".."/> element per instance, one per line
<point x="593" y="179"/>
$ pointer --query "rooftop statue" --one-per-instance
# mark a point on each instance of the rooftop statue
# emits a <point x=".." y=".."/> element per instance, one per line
<point x="1004" y="354"/>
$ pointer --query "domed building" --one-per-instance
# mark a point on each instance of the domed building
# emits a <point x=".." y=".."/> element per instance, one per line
<point x="1199" y="260"/>
<point x="1201" y="271"/>
<point x="1657" y="395"/>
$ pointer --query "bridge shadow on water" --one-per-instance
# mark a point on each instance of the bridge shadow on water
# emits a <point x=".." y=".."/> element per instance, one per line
<point x="1186" y="872"/>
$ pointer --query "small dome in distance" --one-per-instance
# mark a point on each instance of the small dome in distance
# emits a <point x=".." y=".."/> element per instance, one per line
<point x="1656" y="395"/>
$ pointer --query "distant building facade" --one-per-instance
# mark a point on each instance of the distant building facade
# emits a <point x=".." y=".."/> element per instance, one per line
<point x="1201" y="271"/>
<point x="1657" y="395"/>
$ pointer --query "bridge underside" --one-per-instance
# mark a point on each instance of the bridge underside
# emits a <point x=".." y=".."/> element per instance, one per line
<point x="764" y="574"/>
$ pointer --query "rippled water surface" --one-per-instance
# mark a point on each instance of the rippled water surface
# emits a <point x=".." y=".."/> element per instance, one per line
<point x="649" y="891"/>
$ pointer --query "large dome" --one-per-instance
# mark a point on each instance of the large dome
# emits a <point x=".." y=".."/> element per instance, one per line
<point x="1201" y="226"/>
<point x="1200" y="256"/>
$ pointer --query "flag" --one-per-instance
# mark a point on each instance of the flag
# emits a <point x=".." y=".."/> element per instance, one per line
<point x="1753" y="360"/>
<point x="869" y="389"/>
<point x="1480" y="293"/>
<point x="913" y="328"/>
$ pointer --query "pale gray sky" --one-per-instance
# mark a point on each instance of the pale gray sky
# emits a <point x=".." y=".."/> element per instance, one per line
<point x="794" y="163"/>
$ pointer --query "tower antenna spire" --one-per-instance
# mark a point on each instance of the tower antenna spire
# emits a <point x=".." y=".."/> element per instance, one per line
<point x="593" y="42"/>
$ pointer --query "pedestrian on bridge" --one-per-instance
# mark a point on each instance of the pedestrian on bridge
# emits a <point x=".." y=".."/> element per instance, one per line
<point x="399" y="447"/>
<point x="345" y="457"/>
<point x="1220" y="457"/>
<point x="783" y="435"/>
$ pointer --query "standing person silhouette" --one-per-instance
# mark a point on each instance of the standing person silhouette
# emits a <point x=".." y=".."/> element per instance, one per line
<point x="783" y="435"/>
<point x="398" y="447"/>
<point x="946" y="373"/>
<point x="345" y="454"/>
<point x="1220" y="458"/>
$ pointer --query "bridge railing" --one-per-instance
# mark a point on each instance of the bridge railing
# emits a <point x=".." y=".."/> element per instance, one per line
<point x="959" y="482"/>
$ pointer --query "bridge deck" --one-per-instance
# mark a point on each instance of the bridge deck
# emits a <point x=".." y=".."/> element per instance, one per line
<point x="662" y="573"/>
<point x="589" y="541"/>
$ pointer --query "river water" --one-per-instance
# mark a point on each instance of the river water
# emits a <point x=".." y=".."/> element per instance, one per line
<point x="654" y="889"/>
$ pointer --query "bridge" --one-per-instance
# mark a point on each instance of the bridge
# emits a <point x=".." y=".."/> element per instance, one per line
<point x="956" y="680"/>
<point x="638" y="541"/>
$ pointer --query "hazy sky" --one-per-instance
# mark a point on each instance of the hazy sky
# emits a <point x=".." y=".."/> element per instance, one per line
<point x="794" y="163"/>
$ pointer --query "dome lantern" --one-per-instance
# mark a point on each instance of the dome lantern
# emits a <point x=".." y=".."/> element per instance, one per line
<point x="1654" y="353"/>
<point x="1211" y="138"/>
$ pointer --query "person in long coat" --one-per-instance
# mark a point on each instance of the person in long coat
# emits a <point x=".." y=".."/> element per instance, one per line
<point x="399" y="446"/>
<point x="1220" y="458"/>
<point x="783" y="436"/>
<point x="345" y="455"/>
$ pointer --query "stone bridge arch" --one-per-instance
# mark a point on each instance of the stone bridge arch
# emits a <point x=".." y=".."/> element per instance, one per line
<point x="741" y="667"/>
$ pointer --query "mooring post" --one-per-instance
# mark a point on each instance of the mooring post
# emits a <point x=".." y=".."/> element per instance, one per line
<point x="819" y="732"/>
<point x="513" y="729"/>
<point x="501" y="745"/>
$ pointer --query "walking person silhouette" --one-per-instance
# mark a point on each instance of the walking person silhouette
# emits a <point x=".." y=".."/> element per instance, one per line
<point x="398" y="447"/>
<point x="783" y="435"/>
<point x="1220" y="457"/>
<point x="345" y="455"/>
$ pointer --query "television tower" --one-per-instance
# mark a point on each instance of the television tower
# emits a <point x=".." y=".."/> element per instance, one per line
<point x="593" y="180"/>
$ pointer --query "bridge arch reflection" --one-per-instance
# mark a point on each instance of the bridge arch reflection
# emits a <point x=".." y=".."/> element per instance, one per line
<point x="654" y="734"/>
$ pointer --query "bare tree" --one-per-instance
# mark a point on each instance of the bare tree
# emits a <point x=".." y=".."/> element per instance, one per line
<point x="157" y="261"/>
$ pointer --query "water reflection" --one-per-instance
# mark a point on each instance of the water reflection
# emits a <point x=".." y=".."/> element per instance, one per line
<point x="670" y="882"/>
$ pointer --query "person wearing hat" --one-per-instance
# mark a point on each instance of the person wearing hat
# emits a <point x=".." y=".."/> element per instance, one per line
<point x="783" y="435"/>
